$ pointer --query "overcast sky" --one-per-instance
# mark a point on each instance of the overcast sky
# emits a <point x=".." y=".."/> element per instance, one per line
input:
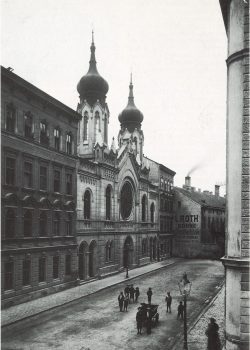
<point x="175" y="49"/>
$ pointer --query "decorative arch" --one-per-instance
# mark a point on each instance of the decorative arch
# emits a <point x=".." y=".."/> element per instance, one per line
<point x="29" y="201"/>
<point x="44" y="202"/>
<point x="144" y="208"/>
<point x="87" y="204"/>
<point x="108" y="196"/>
<point x="58" y="204"/>
<point x="152" y="212"/>
<point x="82" y="260"/>
<point x="128" y="252"/>
<point x="127" y="199"/>
<point x="11" y="198"/>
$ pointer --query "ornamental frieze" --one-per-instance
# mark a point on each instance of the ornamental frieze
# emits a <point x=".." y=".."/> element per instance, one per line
<point x="87" y="180"/>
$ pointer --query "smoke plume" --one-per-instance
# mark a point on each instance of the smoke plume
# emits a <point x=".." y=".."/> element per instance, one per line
<point x="195" y="167"/>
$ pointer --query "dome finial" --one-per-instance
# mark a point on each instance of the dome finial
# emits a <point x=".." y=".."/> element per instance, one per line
<point x="93" y="36"/>
<point x="131" y="95"/>
<point x="92" y="62"/>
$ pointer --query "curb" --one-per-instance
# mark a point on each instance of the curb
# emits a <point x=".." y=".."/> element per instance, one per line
<point x="178" y="344"/>
<point x="83" y="296"/>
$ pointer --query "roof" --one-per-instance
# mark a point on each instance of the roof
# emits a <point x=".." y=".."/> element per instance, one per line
<point x="16" y="79"/>
<point x="205" y="200"/>
<point x="161" y="166"/>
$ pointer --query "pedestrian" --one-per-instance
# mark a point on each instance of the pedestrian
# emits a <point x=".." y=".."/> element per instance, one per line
<point x="126" y="300"/>
<point x="132" y="292"/>
<point x="137" y="293"/>
<point x="213" y="338"/>
<point x="180" y="311"/>
<point x="149" y="324"/>
<point x="149" y="294"/>
<point x="121" y="300"/>
<point x="169" y="302"/>
<point x="139" y="320"/>
<point x="126" y="290"/>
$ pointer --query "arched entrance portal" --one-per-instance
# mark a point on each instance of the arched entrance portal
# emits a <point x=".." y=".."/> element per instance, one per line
<point x="92" y="259"/>
<point x="82" y="261"/>
<point x="128" y="252"/>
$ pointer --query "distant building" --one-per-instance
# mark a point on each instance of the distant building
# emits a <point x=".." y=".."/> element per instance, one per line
<point x="39" y="133"/>
<point x="199" y="225"/>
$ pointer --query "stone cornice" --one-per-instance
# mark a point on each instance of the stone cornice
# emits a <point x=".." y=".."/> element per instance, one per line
<point x="236" y="263"/>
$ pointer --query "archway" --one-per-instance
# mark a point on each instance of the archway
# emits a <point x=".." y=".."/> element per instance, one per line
<point x="82" y="261"/>
<point x="92" y="259"/>
<point x="128" y="252"/>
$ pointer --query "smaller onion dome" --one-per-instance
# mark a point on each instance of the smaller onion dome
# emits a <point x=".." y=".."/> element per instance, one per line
<point x="131" y="117"/>
<point x="92" y="86"/>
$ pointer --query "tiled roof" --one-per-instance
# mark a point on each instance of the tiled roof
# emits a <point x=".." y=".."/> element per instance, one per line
<point x="206" y="200"/>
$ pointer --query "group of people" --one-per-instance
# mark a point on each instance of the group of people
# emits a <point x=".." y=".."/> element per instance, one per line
<point x="130" y="294"/>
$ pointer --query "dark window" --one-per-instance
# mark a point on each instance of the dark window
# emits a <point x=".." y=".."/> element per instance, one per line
<point x="179" y="204"/>
<point x="57" y="180"/>
<point x="87" y="206"/>
<point x="55" y="266"/>
<point x="43" y="178"/>
<point x="10" y="171"/>
<point x="8" y="275"/>
<point x="152" y="212"/>
<point x="27" y="223"/>
<point x="85" y="128"/>
<point x="10" y="221"/>
<point x="10" y="118"/>
<point x="69" y="144"/>
<point x="27" y="174"/>
<point x="109" y="251"/>
<point x="43" y="224"/>
<point x="44" y="139"/>
<point x="26" y="272"/>
<point x="69" y="225"/>
<point x="108" y="203"/>
<point x="126" y="200"/>
<point x="68" y="265"/>
<point x="105" y="129"/>
<point x="143" y="208"/>
<point x="56" y="224"/>
<point x="69" y="183"/>
<point x="42" y="269"/>
<point x="28" y="123"/>
<point x="57" y="139"/>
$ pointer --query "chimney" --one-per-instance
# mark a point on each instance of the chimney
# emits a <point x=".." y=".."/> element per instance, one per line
<point x="217" y="190"/>
<point x="188" y="181"/>
<point x="193" y="189"/>
<point x="199" y="190"/>
<point x="206" y="192"/>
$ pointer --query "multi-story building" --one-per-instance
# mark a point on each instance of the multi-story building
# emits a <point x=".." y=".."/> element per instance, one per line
<point x="39" y="155"/>
<point x="199" y="225"/>
<point x="118" y="189"/>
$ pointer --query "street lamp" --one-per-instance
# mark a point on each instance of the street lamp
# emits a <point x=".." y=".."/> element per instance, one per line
<point x="185" y="289"/>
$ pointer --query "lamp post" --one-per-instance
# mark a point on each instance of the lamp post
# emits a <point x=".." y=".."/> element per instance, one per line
<point x="185" y="289"/>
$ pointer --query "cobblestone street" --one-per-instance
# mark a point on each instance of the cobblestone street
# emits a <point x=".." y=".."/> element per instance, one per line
<point x="95" y="322"/>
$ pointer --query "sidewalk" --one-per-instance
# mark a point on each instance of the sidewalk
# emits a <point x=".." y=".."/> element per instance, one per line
<point x="37" y="306"/>
<point x="197" y="339"/>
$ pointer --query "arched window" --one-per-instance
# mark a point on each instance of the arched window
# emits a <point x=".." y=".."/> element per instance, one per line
<point x="109" y="251"/>
<point x="27" y="223"/>
<point x="85" y="126"/>
<point x="69" y="224"/>
<point x="56" y="228"/>
<point x="57" y="136"/>
<point x="108" y="203"/>
<point x="87" y="205"/>
<point x="44" y="137"/>
<point x="10" y="220"/>
<point x="162" y="183"/>
<point x="43" y="224"/>
<point x="10" y="118"/>
<point x="105" y="129"/>
<point x="69" y="142"/>
<point x="143" y="208"/>
<point x="97" y="123"/>
<point x="152" y="212"/>
<point x="28" y="125"/>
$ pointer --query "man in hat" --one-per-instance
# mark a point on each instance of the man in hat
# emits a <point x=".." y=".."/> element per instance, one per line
<point x="139" y="320"/>
<point x="149" y="294"/>
<point x="120" y="301"/>
<point x="180" y="311"/>
<point x="169" y="302"/>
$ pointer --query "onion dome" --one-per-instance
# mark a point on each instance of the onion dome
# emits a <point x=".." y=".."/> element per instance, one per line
<point x="131" y="117"/>
<point x="92" y="86"/>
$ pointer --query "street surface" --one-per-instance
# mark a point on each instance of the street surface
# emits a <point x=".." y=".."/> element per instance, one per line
<point x="95" y="322"/>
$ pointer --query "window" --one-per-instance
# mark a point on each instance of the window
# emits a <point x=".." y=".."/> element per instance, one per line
<point x="44" y="139"/>
<point x="165" y="185"/>
<point x="162" y="183"/>
<point x="43" y="178"/>
<point x="68" y="183"/>
<point x="152" y="212"/>
<point x="57" y="139"/>
<point x="28" y="125"/>
<point x="179" y="204"/>
<point x="10" y="171"/>
<point x="10" y="220"/>
<point x="8" y="275"/>
<point x="26" y="272"/>
<point x="143" y="208"/>
<point x="10" y="118"/>
<point x="85" y="127"/>
<point x="69" y="224"/>
<point x="68" y="265"/>
<point x="87" y="205"/>
<point x="69" y="144"/>
<point x="105" y="129"/>
<point x="27" y="223"/>
<point x="42" y="269"/>
<point x="109" y="251"/>
<point x="97" y="123"/>
<point x="57" y="180"/>
<point x="27" y="174"/>
<point x="43" y="224"/>
<point x="108" y="203"/>
<point x="55" y="266"/>
<point x="56" y="224"/>
<point x="144" y="246"/>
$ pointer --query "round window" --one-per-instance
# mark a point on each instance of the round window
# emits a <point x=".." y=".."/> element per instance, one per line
<point x="126" y="200"/>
